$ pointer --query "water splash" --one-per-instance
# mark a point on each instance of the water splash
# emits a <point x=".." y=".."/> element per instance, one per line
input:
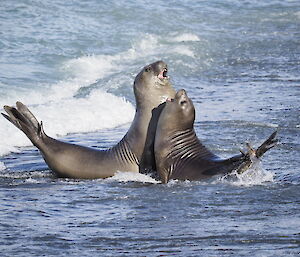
<point x="255" y="175"/>
<point x="133" y="176"/>
<point x="186" y="37"/>
<point x="99" y="110"/>
<point x="59" y="106"/>
<point x="155" y="46"/>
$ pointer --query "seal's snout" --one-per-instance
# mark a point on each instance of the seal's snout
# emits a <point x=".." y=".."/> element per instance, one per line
<point x="160" y="65"/>
<point x="161" y="69"/>
<point x="181" y="97"/>
<point x="163" y="73"/>
<point x="183" y="101"/>
<point x="181" y="93"/>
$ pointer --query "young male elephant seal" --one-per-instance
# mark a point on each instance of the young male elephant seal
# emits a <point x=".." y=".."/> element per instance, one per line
<point x="151" y="88"/>
<point x="179" y="153"/>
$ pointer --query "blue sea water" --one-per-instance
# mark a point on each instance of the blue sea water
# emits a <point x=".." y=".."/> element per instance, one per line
<point x="73" y="63"/>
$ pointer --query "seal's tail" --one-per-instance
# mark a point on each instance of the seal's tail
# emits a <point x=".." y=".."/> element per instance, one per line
<point x="23" y="119"/>
<point x="252" y="155"/>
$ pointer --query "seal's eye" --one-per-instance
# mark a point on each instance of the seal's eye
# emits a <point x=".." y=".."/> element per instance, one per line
<point x="147" y="69"/>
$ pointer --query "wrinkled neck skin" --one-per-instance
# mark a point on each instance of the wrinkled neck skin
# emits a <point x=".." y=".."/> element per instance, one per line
<point x="176" y="150"/>
<point x="169" y="144"/>
<point x="139" y="129"/>
<point x="181" y="155"/>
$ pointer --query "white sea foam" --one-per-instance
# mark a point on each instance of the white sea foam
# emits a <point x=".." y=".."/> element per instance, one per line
<point x="90" y="68"/>
<point x="183" y="50"/>
<point x="255" y="175"/>
<point x="133" y="176"/>
<point x="2" y="166"/>
<point x="100" y="110"/>
<point x="62" y="112"/>
<point x="31" y="181"/>
<point x="186" y="37"/>
<point x="150" y="45"/>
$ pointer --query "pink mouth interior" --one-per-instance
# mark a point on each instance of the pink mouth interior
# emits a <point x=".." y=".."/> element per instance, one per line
<point x="163" y="74"/>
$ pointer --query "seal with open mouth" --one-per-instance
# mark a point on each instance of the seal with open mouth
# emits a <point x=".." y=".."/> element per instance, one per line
<point x="151" y="88"/>
<point x="180" y="154"/>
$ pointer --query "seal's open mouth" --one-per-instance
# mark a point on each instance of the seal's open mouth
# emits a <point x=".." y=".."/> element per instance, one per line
<point x="163" y="74"/>
<point x="182" y="102"/>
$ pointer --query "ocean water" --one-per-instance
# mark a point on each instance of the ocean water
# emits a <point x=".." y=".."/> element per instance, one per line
<point x="73" y="63"/>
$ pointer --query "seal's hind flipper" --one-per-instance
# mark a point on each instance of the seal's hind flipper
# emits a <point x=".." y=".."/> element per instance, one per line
<point x="13" y="116"/>
<point x="28" y="114"/>
<point x="268" y="144"/>
<point x="9" y="119"/>
<point x="253" y="155"/>
<point x="24" y="120"/>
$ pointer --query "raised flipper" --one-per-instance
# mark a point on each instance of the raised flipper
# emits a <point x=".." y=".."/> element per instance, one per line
<point x="268" y="144"/>
<point x="24" y="120"/>
<point x="252" y="155"/>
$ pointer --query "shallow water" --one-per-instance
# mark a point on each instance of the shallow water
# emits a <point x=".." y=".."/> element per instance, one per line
<point x="74" y="63"/>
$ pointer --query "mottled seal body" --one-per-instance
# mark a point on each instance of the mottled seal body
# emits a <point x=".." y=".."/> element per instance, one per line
<point x="180" y="154"/>
<point x="151" y="88"/>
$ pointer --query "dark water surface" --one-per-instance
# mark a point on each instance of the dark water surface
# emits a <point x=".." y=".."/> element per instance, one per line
<point x="73" y="64"/>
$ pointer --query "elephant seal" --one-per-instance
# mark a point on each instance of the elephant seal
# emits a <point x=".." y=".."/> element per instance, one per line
<point x="151" y="88"/>
<point x="180" y="154"/>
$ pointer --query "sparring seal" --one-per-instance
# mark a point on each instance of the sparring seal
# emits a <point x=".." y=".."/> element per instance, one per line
<point x="180" y="154"/>
<point x="151" y="88"/>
